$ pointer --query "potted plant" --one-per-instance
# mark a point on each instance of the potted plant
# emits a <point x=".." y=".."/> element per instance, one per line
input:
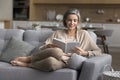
<point x="35" y="26"/>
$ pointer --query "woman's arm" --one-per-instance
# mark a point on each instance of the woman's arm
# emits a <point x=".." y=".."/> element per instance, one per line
<point x="87" y="45"/>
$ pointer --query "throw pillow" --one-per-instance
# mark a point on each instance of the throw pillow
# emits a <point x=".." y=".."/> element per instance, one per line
<point x="15" y="48"/>
<point x="75" y="61"/>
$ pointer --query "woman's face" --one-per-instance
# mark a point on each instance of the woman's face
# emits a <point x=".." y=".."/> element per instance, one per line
<point x="72" y="21"/>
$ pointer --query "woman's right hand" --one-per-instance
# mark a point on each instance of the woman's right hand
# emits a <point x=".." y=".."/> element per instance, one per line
<point x="51" y="46"/>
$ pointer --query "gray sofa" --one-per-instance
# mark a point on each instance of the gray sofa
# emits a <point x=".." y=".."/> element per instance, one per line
<point x="91" y="69"/>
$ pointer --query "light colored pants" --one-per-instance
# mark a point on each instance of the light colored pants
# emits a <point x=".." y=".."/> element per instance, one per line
<point x="48" y="60"/>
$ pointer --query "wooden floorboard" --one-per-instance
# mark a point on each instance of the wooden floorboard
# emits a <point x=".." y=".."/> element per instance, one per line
<point x="115" y="52"/>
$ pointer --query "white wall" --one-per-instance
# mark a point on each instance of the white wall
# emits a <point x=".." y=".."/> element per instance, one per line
<point x="6" y="9"/>
<point x="1" y="25"/>
<point x="115" y="38"/>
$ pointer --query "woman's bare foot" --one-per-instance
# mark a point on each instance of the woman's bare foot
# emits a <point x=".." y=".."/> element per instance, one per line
<point x="18" y="63"/>
<point x="25" y="59"/>
<point x="14" y="63"/>
<point x="65" y="58"/>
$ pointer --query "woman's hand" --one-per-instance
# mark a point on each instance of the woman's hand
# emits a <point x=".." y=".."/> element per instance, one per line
<point x="51" y="46"/>
<point x="80" y="51"/>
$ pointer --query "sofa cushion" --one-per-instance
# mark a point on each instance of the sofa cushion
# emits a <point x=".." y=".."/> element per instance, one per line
<point x="6" y="34"/>
<point x="75" y="61"/>
<point x="38" y="36"/>
<point x="15" y="48"/>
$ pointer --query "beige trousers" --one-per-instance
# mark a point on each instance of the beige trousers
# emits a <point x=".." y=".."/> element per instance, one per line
<point x="48" y="59"/>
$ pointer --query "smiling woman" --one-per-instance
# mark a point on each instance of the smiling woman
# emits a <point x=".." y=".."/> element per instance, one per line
<point x="54" y="58"/>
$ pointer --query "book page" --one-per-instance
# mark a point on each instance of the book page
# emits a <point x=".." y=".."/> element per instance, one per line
<point x="60" y="44"/>
<point x="70" y="46"/>
<point x="66" y="47"/>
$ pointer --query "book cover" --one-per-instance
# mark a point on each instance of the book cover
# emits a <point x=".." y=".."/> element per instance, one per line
<point x="66" y="47"/>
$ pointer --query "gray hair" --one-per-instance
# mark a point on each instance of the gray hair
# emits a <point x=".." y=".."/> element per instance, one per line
<point x="71" y="11"/>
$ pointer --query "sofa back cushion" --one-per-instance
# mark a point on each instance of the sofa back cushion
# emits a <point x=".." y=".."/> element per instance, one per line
<point x="6" y="34"/>
<point x="93" y="35"/>
<point x="37" y="37"/>
<point x="15" y="48"/>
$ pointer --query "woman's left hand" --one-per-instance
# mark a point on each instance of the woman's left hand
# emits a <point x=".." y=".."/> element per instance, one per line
<point x="80" y="51"/>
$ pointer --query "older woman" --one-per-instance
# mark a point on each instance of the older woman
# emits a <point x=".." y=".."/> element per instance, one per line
<point x="50" y="58"/>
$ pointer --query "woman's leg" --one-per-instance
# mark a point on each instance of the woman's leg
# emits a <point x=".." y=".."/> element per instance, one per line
<point x="48" y="64"/>
<point x="49" y="52"/>
<point x="25" y="59"/>
<point x="21" y="61"/>
<point x="18" y="63"/>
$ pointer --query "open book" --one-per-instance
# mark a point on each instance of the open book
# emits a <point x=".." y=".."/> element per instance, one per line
<point x="66" y="47"/>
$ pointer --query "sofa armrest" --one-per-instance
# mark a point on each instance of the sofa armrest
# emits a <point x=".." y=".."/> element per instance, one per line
<point x="93" y="67"/>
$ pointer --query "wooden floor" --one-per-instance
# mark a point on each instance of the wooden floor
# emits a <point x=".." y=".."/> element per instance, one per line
<point x="115" y="52"/>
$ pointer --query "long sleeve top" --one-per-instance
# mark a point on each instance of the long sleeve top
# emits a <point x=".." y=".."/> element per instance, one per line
<point x="82" y="36"/>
